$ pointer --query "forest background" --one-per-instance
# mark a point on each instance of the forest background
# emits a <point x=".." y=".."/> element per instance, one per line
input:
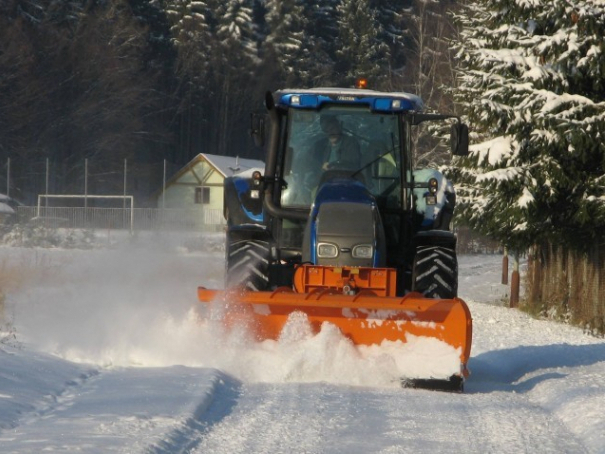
<point x="150" y="82"/>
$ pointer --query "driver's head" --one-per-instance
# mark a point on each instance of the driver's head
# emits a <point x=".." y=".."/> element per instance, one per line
<point x="331" y="126"/>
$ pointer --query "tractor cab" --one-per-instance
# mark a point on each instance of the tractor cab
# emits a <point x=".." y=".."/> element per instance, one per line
<point x="358" y="142"/>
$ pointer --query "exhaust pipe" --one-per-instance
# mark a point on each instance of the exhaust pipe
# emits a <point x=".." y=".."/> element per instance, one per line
<point x="271" y="165"/>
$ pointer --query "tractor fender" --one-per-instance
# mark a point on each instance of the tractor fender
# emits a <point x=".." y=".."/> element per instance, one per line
<point x="240" y="207"/>
<point x="436" y="211"/>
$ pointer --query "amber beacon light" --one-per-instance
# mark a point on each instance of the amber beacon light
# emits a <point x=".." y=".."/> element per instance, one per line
<point x="361" y="83"/>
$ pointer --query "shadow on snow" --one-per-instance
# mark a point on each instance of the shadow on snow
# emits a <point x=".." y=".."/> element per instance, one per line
<point x="501" y="370"/>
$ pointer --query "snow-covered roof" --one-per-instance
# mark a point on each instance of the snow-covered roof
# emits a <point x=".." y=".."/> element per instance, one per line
<point x="9" y="203"/>
<point x="248" y="173"/>
<point x="5" y="209"/>
<point x="229" y="165"/>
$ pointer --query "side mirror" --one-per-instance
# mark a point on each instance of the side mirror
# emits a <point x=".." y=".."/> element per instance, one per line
<point x="257" y="128"/>
<point x="459" y="139"/>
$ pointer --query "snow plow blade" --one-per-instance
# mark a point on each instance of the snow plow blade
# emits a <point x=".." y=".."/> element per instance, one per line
<point x="365" y="318"/>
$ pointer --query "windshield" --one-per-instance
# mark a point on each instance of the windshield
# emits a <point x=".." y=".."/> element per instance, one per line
<point x="343" y="141"/>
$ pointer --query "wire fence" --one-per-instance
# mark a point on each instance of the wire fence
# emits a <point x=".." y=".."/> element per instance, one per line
<point x="469" y="242"/>
<point x="136" y="219"/>
<point x="185" y="220"/>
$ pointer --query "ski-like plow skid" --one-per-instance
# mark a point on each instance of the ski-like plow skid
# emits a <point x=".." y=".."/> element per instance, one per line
<point x="365" y="318"/>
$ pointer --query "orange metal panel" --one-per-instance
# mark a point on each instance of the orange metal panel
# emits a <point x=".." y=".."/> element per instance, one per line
<point x="381" y="281"/>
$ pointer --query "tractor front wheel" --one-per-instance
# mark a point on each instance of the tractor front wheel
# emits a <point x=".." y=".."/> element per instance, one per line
<point x="436" y="272"/>
<point x="248" y="265"/>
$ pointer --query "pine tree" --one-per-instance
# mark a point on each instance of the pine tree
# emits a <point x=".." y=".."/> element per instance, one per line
<point x="73" y="86"/>
<point x="285" y="44"/>
<point x="321" y="33"/>
<point x="360" y="54"/>
<point x="532" y="83"/>
<point x="392" y="31"/>
<point x="235" y="56"/>
<point x="236" y="28"/>
<point x="191" y="35"/>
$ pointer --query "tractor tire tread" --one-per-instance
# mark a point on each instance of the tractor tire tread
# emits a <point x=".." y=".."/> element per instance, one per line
<point x="435" y="272"/>
<point x="247" y="265"/>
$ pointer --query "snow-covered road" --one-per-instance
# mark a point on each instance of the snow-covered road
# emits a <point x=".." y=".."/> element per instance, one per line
<point x="101" y="352"/>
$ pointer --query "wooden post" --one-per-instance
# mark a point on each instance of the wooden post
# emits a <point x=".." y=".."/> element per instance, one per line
<point x="515" y="283"/>
<point x="505" y="267"/>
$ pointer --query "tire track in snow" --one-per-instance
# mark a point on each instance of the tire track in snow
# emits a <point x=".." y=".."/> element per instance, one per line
<point x="510" y="423"/>
<point x="211" y="411"/>
<point x="53" y="389"/>
<point x="324" y="418"/>
<point x="539" y="362"/>
<point x="61" y="401"/>
<point x="284" y="418"/>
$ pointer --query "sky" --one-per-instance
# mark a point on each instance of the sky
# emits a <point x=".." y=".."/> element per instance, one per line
<point x="105" y="350"/>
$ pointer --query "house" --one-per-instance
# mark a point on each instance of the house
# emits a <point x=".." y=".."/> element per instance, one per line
<point x="199" y="184"/>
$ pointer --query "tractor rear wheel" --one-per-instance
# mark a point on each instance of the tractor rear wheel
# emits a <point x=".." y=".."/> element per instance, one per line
<point x="248" y="265"/>
<point x="436" y="272"/>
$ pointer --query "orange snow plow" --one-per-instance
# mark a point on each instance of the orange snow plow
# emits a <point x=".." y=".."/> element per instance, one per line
<point x="361" y="302"/>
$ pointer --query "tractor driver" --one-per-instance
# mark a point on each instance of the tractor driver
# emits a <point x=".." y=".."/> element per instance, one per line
<point x="336" y="150"/>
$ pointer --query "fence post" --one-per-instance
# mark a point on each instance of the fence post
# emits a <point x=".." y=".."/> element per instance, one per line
<point x="8" y="177"/>
<point x="515" y="282"/>
<point x="505" y="267"/>
<point x="47" y="181"/>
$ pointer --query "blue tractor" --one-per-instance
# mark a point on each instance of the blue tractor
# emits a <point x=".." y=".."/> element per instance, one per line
<point x="365" y="205"/>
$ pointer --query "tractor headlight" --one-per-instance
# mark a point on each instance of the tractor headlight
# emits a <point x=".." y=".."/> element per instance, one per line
<point x="327" y="250"/>
<point x="363" y="251"/>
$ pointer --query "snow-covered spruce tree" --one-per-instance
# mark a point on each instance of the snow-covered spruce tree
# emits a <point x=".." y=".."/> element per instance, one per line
<point x="236" y="30"/>
<point x="321" y="33"/>
<point x="360" y="52"/>
<point x="392" y="16"/>
<point x="532" y="83"/>
<point x="234" y="61"/>
<point x="286" y="39"/>
<point x="190" y="35"/>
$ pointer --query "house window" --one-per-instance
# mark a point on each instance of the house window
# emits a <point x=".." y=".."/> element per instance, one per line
<point x="202" y="195"/>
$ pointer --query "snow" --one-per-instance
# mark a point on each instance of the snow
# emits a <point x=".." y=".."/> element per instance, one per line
<point x="495" y="150"/>
<point x="5" y="204"/>
<point x="103" y="351"/>
<point x="4" y="208"/>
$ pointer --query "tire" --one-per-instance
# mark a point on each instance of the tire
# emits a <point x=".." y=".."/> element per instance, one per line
<point x="248" y="265"/>
<point x="436" y="272"/>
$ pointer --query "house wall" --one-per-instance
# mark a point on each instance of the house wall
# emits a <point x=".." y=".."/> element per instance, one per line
<point x="181" y="193"/>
